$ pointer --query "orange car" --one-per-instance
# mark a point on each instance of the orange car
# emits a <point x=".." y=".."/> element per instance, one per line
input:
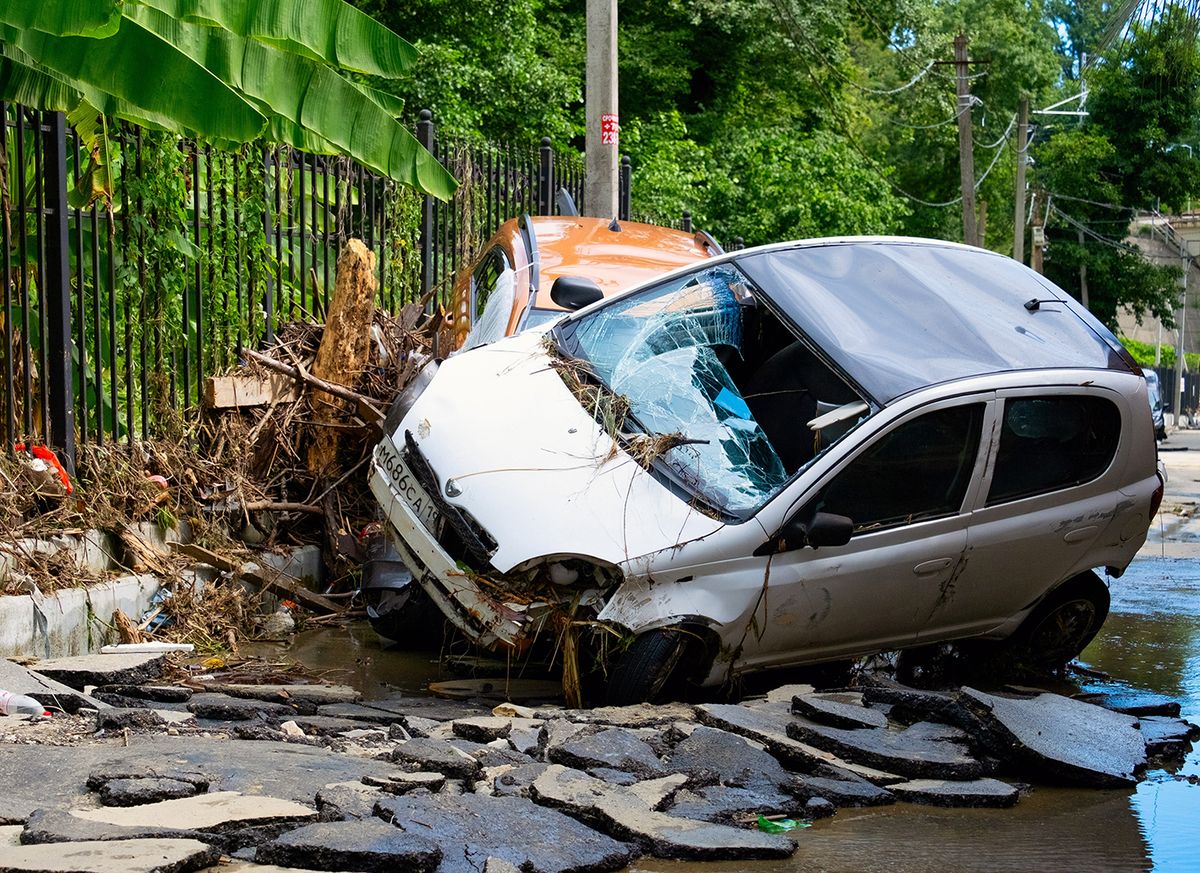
<point x="536" y="268"/>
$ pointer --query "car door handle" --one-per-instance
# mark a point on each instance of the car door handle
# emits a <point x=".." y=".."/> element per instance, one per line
<point x="1080" y="534"/>
<point x="928" y="568"/>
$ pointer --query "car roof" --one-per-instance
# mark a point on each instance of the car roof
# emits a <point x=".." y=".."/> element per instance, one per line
<point x="613" y="259"/>
<point x="899" y="314"/>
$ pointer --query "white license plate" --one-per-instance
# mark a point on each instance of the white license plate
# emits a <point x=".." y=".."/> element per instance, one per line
<point x="405" y="484"/>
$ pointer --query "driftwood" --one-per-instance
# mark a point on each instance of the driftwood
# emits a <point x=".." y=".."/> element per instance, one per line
<point x="344" y="352"/>
<point x="301" y="375"/>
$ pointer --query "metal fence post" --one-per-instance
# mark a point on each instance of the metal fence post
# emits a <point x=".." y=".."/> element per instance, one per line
<point x="546" y="179"/>
<point x="623" y="191"/>
<point x="56" y="293"/>
<point x="425" y="136"/>
<point x="686" y="224"/>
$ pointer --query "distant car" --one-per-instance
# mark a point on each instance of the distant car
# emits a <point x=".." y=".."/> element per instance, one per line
<point x="787" y="455"/>
<point x="1154" y="391"/>
<point x="532" y="271"/>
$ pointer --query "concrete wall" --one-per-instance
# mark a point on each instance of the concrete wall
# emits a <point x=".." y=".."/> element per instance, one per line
<point x="77" y="621"/>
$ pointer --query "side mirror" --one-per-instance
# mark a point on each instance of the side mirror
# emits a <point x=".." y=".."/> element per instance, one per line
<point x="825" y="529"/>
<point x="575" y="292"/>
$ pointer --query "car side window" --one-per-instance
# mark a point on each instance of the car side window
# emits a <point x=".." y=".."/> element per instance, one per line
<point x="1051" y="443"/>
<point x="917" y="471"/>
<point x="485" y="279"/>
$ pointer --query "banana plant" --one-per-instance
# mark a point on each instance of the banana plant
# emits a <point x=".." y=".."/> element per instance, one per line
<point x="223" y="71"/>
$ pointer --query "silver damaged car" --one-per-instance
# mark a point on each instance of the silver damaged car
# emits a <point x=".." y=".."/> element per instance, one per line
<point x="794" y="454"/>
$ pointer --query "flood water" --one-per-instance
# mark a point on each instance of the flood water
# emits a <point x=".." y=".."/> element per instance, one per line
<point x="1150" y="642"/>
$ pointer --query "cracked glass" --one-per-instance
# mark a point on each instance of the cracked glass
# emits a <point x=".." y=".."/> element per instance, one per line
<point x="667" y="351"/>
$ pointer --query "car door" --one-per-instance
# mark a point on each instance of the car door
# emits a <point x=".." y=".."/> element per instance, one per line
<point x="904" y="491"/>
<point x="1047" y="501"/>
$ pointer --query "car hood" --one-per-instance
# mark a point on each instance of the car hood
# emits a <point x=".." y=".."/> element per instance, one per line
<point x="534" y="468"/>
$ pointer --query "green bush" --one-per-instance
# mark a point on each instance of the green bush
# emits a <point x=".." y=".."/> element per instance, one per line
<point x="1143" y="353"/>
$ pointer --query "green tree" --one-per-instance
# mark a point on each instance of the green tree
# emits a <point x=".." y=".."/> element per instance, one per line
<point x="227" y="71"/>
<point x="1123" y="157"/>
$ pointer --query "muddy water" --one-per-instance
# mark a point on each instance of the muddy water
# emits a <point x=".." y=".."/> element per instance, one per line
<point x="1151" y="641"/>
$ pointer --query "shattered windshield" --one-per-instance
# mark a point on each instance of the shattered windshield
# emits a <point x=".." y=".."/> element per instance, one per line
<point x="669" y="351"/>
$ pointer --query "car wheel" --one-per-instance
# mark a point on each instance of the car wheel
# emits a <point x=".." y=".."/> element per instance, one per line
<point x="642" y="670"/>
<point x="1063" y="624"/>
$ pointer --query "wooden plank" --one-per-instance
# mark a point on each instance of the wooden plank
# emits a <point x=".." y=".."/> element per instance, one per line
<point x="278" y="583"/>
<point x="238" y="391"/>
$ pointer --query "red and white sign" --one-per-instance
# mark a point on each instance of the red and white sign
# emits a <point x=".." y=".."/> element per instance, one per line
<point x="608" y="128"/>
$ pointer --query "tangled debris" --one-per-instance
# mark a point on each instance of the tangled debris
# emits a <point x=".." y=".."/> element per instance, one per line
<point x="276" y="461"/>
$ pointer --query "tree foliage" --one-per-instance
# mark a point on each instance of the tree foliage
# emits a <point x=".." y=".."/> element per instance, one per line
<point x="226" y="71"/>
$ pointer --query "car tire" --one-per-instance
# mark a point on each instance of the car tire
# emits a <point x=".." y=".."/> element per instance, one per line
<point x="1062" y="625"/>
<point x="642" y="671"/>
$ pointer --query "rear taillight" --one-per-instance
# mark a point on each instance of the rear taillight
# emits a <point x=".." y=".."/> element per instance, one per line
<point x="1156" y="498"/>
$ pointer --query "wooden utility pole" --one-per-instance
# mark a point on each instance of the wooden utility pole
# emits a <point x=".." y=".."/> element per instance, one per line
<point x="1039" y="236"/>
<point x="966" y="150"/>
<point x="1019" y="199"/>
<point x="600" y="106"/>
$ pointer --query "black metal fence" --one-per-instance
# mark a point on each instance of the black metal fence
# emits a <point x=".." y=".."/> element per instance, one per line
<point x="114" y="314"/>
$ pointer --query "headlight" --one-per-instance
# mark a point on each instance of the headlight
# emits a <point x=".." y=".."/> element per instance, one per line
<point x="405" y="399"/>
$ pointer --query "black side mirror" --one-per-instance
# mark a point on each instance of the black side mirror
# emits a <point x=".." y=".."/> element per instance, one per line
<point x="575" y="292"/>
<point x="825" y="529"/>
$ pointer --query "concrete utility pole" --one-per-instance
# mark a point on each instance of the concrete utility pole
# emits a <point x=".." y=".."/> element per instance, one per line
<point x="1019" y="199"/>
<point x="1039" y="236"/>
<point x="966" y="151"/>
<point x="600" y="192"/>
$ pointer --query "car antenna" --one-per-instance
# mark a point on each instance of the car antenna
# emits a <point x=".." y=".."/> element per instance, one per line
<point x="615" y="226"/>
<point x="1034" y="305"/>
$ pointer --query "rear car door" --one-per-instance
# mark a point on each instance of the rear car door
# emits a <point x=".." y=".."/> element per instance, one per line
<point x="1047" y="501"/>
<point x="905" y="491"/>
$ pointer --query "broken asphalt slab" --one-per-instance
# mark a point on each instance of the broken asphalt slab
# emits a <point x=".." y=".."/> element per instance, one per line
<point x="735" y="761"/>
<point x="441" y="757"/>
<point x="206" y="817"/>
<point x="49" y="692"/>
<point x="370" y="845"/>
<point x="119" y="856"/>
<point x="946" y="792"/>
<point x="38" y="777"/>
<point x="611" y="748"/>
<point x="1055" y="737"/>
<point x="625" y="814"/>
<point x="839" y="710"/>
<point x="121" y="669"/>
<point x="908" y="752"/>
<point x="471" y="829"/>
<point x="767" y="723"/>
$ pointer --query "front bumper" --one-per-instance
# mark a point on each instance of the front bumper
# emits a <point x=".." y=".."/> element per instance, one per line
<point x="483" y="619"/>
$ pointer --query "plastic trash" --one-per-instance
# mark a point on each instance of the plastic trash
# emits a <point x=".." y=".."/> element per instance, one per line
<point x="781" y="826"/>
<point x="19" y="704"/>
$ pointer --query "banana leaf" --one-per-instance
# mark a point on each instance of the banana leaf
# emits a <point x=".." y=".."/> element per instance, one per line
<point x="91" y="18"/>
<point x="181" y="89"/>
<point x="329" y="31"/>
<point x="306" y="102"/>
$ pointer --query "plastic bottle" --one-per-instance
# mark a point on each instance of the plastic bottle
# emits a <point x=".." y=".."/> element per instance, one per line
<point x="19" y="704"/>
